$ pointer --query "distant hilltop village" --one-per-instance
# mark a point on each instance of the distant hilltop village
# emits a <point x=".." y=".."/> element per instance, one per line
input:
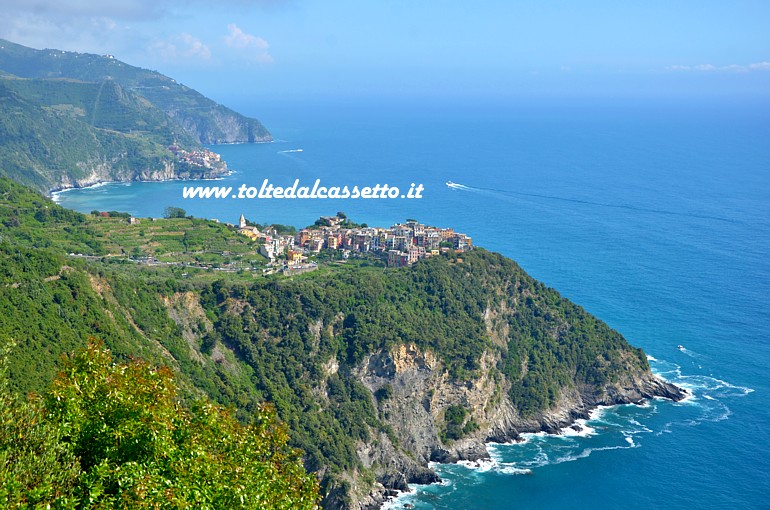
<point x="200" y="157"/>
<point x="400" y="245"/>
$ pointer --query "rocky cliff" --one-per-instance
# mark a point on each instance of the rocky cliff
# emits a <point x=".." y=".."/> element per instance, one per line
<point x="101" y="171"/>
<point x="70" y="119"/>
<point x="376" y="372"/>
<point x="422" y="391"/>
<point x="427" y="363"/>
<point x="218" y="124"/>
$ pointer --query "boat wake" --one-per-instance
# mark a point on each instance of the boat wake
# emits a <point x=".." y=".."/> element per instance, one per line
<point x="502" y="193"/>
<point x="461" y="187"/>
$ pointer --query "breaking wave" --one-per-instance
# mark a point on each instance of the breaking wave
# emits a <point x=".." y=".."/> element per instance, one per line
<point x="608" y="428"/>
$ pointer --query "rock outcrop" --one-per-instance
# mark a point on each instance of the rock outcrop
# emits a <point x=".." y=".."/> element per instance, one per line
<point x="421" y="391"/>
<point x="220" y="125"/>
<point x="97" y="172"/>
<point x="73" y="119"/>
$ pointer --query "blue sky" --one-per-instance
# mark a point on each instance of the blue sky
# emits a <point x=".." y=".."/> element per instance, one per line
<point x="311" y="48"/>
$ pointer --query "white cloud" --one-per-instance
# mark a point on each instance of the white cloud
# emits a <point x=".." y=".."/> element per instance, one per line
<point x="194" y="47"/>
<point x="125" y="28"/>
<point x="80" y="25"/>
<point x="255" y="45"/>
<point x="731" y="68"/>
<point x="182" y="46"/>
<point x="126" y="10"/>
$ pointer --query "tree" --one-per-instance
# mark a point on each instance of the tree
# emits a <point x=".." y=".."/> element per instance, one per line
<point x="174" y="212"/>
<point x="112" y="435"/>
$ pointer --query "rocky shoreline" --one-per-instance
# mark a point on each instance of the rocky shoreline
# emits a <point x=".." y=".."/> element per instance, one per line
<point x="100" y="177"/>
<point x="422" y="390"/>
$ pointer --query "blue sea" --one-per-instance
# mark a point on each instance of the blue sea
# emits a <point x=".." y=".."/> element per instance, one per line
<point x="653" y="215"/>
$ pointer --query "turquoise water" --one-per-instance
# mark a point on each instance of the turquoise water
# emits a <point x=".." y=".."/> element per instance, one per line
<point x="655" y="217"/>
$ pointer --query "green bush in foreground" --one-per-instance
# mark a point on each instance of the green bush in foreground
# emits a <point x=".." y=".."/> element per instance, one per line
<point x="112" y="435"/>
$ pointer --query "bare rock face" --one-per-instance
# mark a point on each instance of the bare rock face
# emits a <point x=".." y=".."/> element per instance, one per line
<point x="97" y="172"/>
<point x="220" y="125"/>
<point x="419" y="391"/>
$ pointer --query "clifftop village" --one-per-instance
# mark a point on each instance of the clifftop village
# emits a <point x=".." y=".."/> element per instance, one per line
<point x="199" y="157"/>
<point x="400" y="245"/>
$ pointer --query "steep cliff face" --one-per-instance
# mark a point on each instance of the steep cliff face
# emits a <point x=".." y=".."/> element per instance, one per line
<point x="422" y="392"/>
<point x="375" y="371"/>
<point x="220" y="125"/>
<point x="380" y="373"/>
<point x="99" y="171"/>
<point x="69" y="119"/>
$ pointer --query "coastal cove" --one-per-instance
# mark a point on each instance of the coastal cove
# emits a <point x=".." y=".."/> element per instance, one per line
<point x="653" y="219"/>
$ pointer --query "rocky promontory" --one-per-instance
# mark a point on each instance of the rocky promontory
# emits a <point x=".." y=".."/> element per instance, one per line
<point x="421" y="392"/>
<point x="74" y="119"/>
<point x="99" y="172"/>
<point x="375" y="371"/>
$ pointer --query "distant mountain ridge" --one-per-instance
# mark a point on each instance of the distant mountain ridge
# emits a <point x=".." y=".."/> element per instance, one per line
<point x="72" y="119"/>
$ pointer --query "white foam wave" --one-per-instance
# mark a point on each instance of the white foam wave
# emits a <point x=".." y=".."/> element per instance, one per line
<point x="716" y="387"/>
<point x="513" y="470"/>
<point x="588" y="451"/>
<point x="584" y="430"/>
<point x="689" y="397"/>
<point x="396" y="501"/>
<point x="56" y="195"/>
<point x="481" y="465"/>
<point x="410" y="496"/>
<point x="402" y="499"/>
<point x="287" y="151"/>
<point x="617" y="427"/>
<point x="598" y="413"/>
<point x="495" y="464"/>
<point x="640" y="427"/>
<point x="494" y="452"/>
<point x="526" y="437"/>
<point x="671" y="372"/>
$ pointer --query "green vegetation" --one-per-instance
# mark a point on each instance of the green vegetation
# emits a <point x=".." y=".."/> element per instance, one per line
<point x="41" y="147"/>
<point x="455" y="426"/>
<point x="294" y="342"/>
<point x="68" y="117"/>
<point x="109" y="435"/>
<point x="204" y="120"/>
<point x="181" y="242"/>
<point x="279" y="228"/>
<point x="174" y="212"/>
<point x="342" y="221"/>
